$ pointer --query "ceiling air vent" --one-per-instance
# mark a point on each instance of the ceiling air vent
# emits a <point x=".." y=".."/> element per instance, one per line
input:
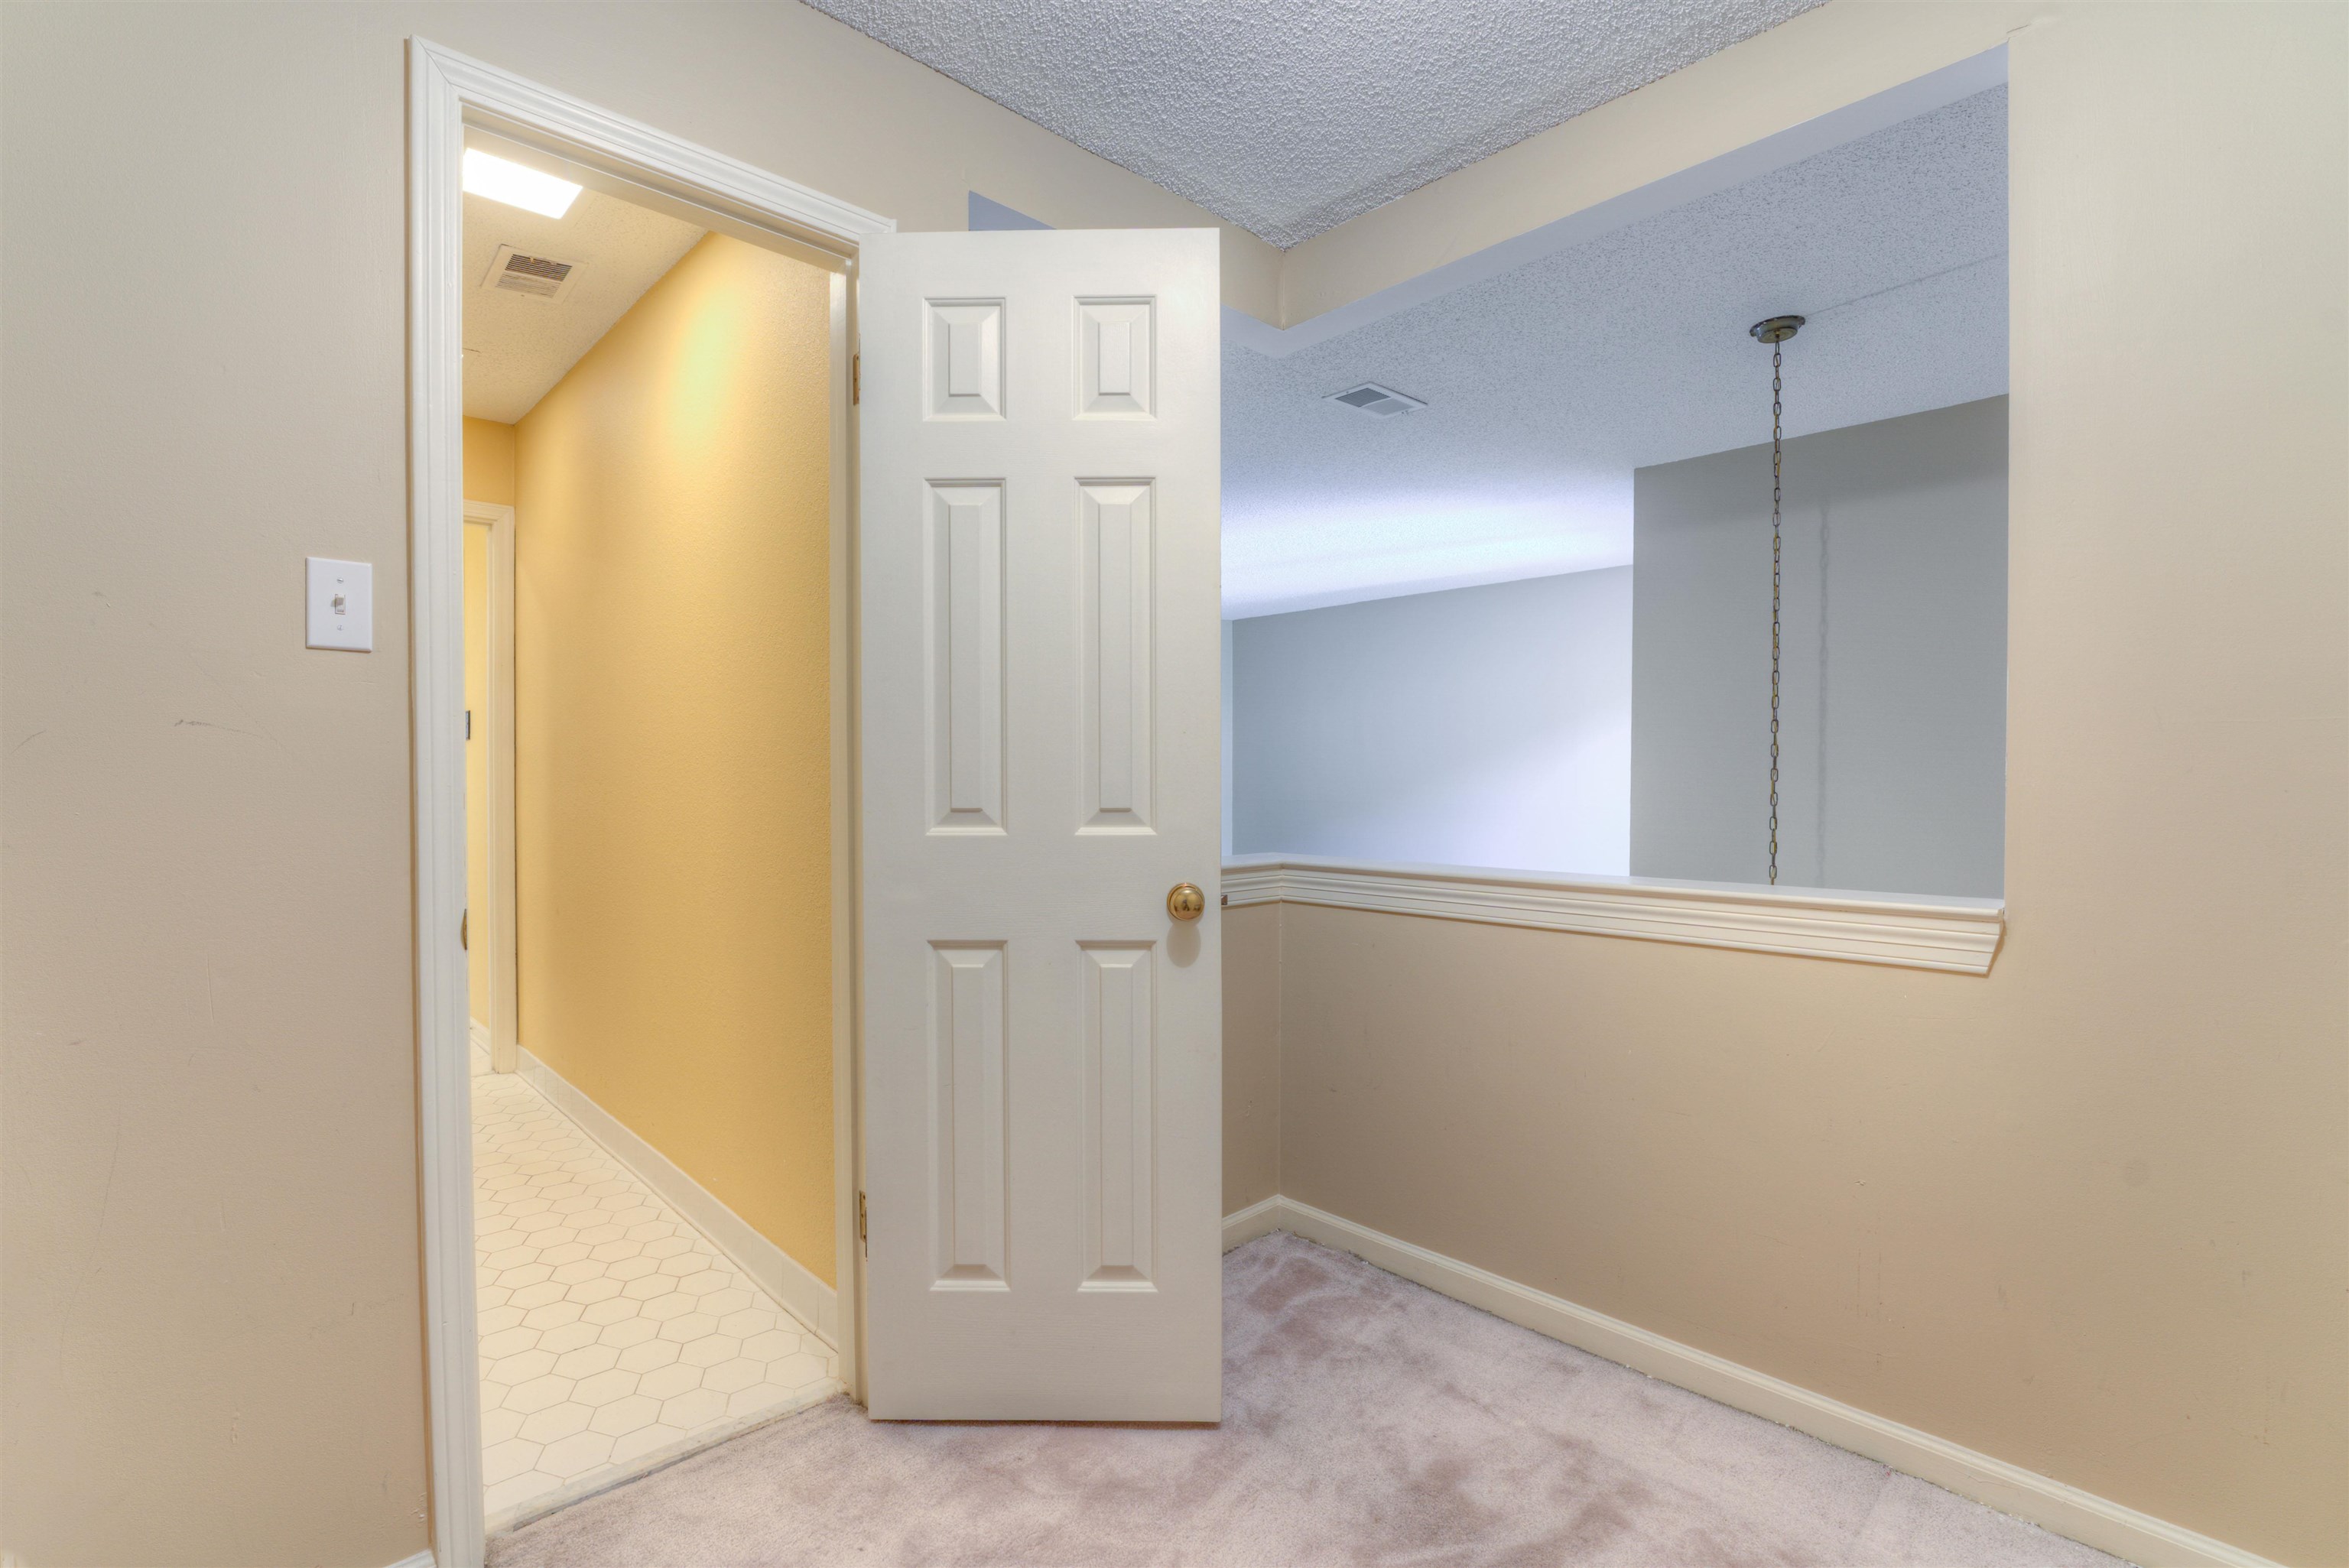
<point x="540" y="277"/>
<point x="1372" y="398"/>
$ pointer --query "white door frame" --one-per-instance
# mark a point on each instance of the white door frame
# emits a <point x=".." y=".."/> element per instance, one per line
<point x="449" y="94"/>
<point x="496" y="925"/>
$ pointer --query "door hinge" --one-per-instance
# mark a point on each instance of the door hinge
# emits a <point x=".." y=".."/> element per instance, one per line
<point x="856" y="378"/>
<point x="862" y="1240"/>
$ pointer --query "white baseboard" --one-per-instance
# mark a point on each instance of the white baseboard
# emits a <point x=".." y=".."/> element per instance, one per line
<point x="1258" y="1219"/>
<point x="421" y="1560"/>
<point x="778" y="1274"/>
<point x="2051" y="1504"/>
<point x="480" y="1034"/>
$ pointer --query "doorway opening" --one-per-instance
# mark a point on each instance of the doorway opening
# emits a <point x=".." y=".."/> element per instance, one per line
<point x="648" y="440"/>
<point x="634" y="784"/>
<point x="1035" y="601"/>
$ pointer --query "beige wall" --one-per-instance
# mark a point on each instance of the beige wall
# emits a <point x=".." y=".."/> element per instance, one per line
<point x="1251" y="1055"/>
<point x="2087" y="1213"/>
<point x="2103" y="1211"/>
<point x="211" y="1280"/>
<point x="673" y="732"/>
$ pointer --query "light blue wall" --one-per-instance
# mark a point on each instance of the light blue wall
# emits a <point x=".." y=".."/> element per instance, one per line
<point x="1484" y="727"/>
<point x="985" y="213"/>
<point x="1893" y="741"/>
<point x="1227" y="737"/>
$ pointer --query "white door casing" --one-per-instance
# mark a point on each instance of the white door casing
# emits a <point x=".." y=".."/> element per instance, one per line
<point x="496" y="924"/>
<point x="1039" y="672"/>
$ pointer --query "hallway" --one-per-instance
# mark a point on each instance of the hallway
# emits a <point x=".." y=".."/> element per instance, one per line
<point x="614" y="1337"/>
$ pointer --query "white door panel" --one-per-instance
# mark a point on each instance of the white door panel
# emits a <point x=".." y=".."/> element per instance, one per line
<point x="1038" y="711"/>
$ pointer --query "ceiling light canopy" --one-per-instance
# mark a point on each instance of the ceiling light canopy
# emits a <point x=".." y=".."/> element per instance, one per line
<point x="502" y="180"/>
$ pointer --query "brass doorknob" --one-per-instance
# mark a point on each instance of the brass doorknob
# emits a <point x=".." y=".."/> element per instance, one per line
<point x="1185" y="901"/>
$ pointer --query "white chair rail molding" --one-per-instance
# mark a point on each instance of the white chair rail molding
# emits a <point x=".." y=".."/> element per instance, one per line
<point x="1958" y="934"/>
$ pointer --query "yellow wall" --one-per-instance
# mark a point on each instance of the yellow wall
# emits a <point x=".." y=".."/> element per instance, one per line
<point x="489" y="462"/>
<point x="477" y="773"/>
<point x="673" y="733"/>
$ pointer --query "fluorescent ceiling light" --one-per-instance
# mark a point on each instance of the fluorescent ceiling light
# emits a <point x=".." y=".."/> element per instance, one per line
<point x="511" y="183"/>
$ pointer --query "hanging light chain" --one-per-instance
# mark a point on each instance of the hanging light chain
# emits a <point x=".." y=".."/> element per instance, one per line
<point x="1777" y="478"/>
<point x="1775" y="332"/>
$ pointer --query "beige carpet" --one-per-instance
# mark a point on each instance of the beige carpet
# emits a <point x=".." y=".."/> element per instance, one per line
<point x="1366" y="1420"/>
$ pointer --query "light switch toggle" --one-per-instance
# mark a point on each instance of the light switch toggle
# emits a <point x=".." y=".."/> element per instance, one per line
<point x="342" y="605"/>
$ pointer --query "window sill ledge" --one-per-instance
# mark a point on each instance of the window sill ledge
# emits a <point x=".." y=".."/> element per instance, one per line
<point x="1960" y="936"/>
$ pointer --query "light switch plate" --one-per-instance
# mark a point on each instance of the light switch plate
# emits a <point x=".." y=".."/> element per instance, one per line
<point x="342" y="605"/>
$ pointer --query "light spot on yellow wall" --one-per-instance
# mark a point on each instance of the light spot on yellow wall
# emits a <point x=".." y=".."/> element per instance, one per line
<point x="673" y="732"/>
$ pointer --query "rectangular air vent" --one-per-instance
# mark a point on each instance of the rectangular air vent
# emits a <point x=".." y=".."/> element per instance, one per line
<point x="1372" y="398"/>
<point x="540" y="277"/>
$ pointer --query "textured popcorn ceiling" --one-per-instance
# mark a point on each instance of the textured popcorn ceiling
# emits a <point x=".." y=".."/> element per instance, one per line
<point x="1287" y="116"/>
<point x="1549" y="384"/>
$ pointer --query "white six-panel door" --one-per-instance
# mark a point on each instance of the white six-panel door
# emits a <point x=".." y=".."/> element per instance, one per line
<point x="1039" y="686"/>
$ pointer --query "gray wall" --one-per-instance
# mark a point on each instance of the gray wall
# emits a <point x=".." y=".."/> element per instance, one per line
<point x="1893" y="707"/>
<point x="1486" y="726"/>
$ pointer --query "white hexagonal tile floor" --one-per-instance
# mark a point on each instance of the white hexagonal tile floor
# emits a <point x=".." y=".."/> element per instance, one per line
<point x="614" y="1337"/>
